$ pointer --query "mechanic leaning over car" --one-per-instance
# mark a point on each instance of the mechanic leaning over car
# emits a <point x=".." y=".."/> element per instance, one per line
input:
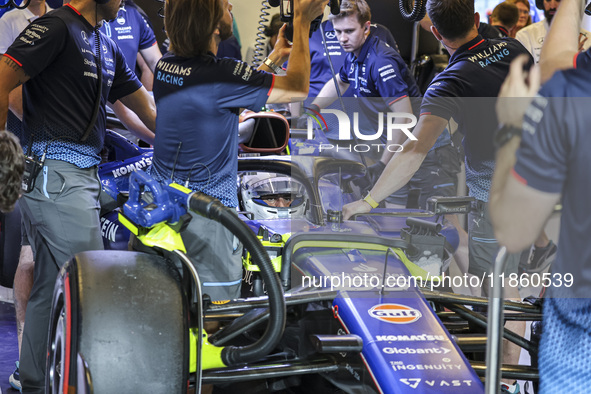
<point x="477" y="68"/>
<point x="58" y="59"/>
<point x="198" y="98"/>
<point x="547" y="164"/>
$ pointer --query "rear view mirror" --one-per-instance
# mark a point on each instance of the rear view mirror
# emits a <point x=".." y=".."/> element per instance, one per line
<point x="263" y="132"/>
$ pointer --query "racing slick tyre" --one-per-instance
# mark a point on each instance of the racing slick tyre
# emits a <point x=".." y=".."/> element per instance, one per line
<point x="10" y="245"/>
<point x="118" y="324"/>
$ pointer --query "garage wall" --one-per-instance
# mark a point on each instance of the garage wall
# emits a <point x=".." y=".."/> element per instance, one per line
<point x="247" y="14"/>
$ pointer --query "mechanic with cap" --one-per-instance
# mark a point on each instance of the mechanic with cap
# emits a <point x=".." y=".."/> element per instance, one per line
<point x="543" y="166"/>
<point x="198" y="97"/>
<point x="63" y="73"/>
<point x="477" y="68"/>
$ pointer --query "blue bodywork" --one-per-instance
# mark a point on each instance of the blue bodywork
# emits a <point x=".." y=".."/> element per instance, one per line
<point x="406" y="348"/>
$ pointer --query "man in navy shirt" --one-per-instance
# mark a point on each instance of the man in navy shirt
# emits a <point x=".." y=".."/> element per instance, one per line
<point x="376" y="74"/>
<point x="477" y="68"/>
<point x="373" y="69"/>
<point x="544" y="161"/>
<point x="199" y="97"/>
<point x="57" y="61"/>
<point x="132" y="33"/>
<point x="321" y="72"/>
<point x="135" y="37"/>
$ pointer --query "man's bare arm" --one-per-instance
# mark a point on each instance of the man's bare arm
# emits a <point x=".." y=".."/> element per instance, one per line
<point x="296" y="83"/>
<point x="404" y="164"/>
<point x="562" y="41"/>
<point x="12" y="75"/>
<point x="398" y="137"/>
<point x="144" y="107"/>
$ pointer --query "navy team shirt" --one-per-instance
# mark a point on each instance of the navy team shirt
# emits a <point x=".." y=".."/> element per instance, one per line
<point x="554" y="157"/>
<point x="378" y="71"/>
<point x="320" y="71"/>
<point x="58" y="52"/>
<point x="466" y="91"/>
<point x="198" y="101"/>
<point x="583" y="59"/>
<point x="131" y="32"/>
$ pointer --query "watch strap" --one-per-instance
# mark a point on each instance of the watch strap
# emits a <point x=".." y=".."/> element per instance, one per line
<point x="271" y="64"/>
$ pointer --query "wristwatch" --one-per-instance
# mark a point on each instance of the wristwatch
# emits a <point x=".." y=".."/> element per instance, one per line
<point x="369" y="199"/>
<point x="504" y="134"/>
<point x="271" y="64"/>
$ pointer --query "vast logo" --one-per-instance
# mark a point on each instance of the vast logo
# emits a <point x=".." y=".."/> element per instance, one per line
<point x="395" y="313"/>
<point x="345" y="128"/>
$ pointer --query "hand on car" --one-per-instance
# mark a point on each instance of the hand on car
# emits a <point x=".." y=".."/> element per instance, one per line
<point x="356" y="207"/>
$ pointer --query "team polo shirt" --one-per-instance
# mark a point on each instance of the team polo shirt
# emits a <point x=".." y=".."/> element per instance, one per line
<point x="378" y="71"/>
<point x="466" y="91"/>
<point x="320" y="71"/>
<point x="198" y="101"/>
<point x="583" y="60"/>
<point x="554" y="157"/>
<point x="131" y="33"/>
<point x="57" y="52"/>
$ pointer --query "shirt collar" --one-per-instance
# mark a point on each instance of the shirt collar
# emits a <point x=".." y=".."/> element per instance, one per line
<point x="470" y="45"/>
<point x="365" y="48"/>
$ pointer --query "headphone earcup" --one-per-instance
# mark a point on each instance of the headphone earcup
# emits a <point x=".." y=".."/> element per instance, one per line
<point x="540" y="5"/>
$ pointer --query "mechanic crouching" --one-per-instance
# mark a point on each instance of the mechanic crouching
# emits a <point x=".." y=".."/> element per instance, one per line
<point x="198" y="97"/>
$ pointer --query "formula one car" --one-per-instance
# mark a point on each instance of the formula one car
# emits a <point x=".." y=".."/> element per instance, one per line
<point x="329" y="305"/>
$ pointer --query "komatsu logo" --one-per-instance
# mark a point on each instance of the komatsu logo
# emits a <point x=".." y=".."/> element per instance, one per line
<point x="131" y="167"/>
<point x="395" y="313"/>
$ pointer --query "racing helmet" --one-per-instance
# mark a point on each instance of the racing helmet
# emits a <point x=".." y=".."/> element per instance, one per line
<point x="273" y="196"/>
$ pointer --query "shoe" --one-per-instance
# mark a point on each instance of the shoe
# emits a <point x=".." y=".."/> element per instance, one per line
<point x="510" y="388"/>
<point x="15" y="379"/>
<point x="541" y="258"/>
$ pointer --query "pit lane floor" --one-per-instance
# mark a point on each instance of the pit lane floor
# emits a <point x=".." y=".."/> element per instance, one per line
<point x="8" y="343"/>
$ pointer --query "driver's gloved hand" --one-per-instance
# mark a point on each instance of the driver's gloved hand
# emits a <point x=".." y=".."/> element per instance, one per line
<point x="375" y="171"/>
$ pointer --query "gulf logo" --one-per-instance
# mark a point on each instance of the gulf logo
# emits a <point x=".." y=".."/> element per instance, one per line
<point x="395" y="313"/>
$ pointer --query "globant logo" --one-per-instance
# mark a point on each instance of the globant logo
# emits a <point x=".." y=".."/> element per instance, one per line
<point x="392" y="125"/>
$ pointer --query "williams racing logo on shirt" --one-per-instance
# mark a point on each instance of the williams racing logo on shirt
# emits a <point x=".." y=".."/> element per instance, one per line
<point x="172" y="73"/>
<point x="490" y="55"/>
